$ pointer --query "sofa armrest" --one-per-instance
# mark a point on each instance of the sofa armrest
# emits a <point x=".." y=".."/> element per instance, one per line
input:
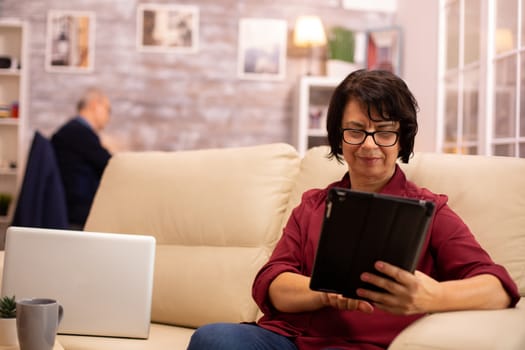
<point x="480" y="330"/>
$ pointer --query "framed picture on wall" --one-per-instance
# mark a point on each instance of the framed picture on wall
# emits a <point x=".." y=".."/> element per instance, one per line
<point x="70" y="41"/>
<point x="384" y="49"/>
<point x="167" y="28"/>
<point x="262" y="49"/>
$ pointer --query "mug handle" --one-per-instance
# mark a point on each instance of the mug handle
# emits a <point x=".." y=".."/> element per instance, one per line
<point x="60" y="313"/>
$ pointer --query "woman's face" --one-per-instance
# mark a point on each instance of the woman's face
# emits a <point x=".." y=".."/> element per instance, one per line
<point x="370" y="165"/>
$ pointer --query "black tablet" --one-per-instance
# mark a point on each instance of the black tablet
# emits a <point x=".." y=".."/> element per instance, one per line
<point x="360" y="228"/>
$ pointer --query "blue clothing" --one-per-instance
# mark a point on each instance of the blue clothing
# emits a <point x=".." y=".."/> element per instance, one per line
<point x="81" y="159"/>
<point x="235" y="336"/>
<point x="41" y="202"/>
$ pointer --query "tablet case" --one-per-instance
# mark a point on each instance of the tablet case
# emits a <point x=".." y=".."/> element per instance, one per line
<point x="360" y="228"/>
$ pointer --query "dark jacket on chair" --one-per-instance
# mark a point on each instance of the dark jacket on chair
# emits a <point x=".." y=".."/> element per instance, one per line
<point x="41" y="201"/>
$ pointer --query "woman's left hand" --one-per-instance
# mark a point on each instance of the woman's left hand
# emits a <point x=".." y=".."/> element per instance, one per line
<point x="407" y="293"/>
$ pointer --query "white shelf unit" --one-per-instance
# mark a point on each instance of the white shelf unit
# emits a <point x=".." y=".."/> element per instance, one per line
<point x="13" y="83"/>
<point x="314" y="94"/>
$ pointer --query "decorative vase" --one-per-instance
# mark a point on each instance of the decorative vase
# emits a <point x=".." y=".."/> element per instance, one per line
<point x="8" y="335"/>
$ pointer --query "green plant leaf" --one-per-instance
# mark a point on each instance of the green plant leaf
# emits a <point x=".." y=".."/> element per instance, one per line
<point x="8" y="307"/>
<point x="341" y="44"/>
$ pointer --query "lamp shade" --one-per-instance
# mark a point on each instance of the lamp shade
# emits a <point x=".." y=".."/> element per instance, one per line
<point x="309" y="31"/>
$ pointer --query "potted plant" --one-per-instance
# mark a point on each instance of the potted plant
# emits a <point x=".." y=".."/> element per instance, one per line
<point x="8" y="335"/>
<point x="341" y="52"/>
<point x="5" y="201"/>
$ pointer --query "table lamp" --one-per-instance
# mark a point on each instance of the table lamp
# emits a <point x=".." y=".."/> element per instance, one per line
<point x="309" y="33"/>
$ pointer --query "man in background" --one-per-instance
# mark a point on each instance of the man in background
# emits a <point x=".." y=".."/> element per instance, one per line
<point x="80" y="155"/>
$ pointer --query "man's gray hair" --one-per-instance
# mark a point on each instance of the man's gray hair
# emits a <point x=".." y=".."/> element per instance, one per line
<point x="90" y="95"/>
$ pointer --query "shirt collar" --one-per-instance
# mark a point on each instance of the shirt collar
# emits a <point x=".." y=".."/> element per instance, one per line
<point x="83" y="121"/>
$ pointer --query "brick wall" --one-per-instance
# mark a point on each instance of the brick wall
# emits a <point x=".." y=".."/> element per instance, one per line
<point x="168" y="101"/>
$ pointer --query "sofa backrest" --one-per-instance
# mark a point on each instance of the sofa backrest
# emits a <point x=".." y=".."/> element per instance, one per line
<point x="216" y="215"/>
<point x="488" y="193"/>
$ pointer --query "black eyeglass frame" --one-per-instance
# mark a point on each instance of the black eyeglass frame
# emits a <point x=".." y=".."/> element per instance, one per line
<point x="367" y="133"/>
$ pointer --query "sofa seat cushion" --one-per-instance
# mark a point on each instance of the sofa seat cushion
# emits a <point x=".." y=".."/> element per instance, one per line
<point x="160" y="337"/>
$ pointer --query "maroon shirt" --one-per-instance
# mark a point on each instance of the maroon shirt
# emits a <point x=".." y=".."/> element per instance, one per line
<point x="449" y="252"/>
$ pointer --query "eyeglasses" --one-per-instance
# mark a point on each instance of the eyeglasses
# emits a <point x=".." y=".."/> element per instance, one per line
<point x="381" y="138"/>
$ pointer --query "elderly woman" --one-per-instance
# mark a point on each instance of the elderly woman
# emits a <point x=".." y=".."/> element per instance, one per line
<point x="371" y="123"/>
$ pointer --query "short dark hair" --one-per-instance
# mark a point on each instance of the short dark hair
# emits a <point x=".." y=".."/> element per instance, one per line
<point x="377" y="90"/>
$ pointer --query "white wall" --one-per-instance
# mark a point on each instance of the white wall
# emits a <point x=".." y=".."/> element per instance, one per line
<point x="419" y="21"/>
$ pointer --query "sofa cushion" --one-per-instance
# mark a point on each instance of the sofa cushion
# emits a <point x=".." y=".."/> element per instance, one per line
<point x="212" y="237"/>
<point x="160" y="337"/>
<point x="488" y="194"/>
<point x="316" y="171"/>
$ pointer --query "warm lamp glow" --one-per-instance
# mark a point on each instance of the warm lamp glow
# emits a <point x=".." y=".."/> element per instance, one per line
<point x="504" y="40"/>
<point x="309" y="32"/>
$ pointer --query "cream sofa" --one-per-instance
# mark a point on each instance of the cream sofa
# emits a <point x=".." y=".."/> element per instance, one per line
<point x="216" y="214"/>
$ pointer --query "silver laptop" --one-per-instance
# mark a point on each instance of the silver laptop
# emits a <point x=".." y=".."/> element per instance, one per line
<point x="103" y="281"/>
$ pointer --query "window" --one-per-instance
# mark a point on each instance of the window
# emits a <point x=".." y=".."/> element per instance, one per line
<point x="482" y="77"/>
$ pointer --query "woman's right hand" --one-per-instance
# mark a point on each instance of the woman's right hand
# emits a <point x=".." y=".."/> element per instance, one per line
<point x="341" y="303"/>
